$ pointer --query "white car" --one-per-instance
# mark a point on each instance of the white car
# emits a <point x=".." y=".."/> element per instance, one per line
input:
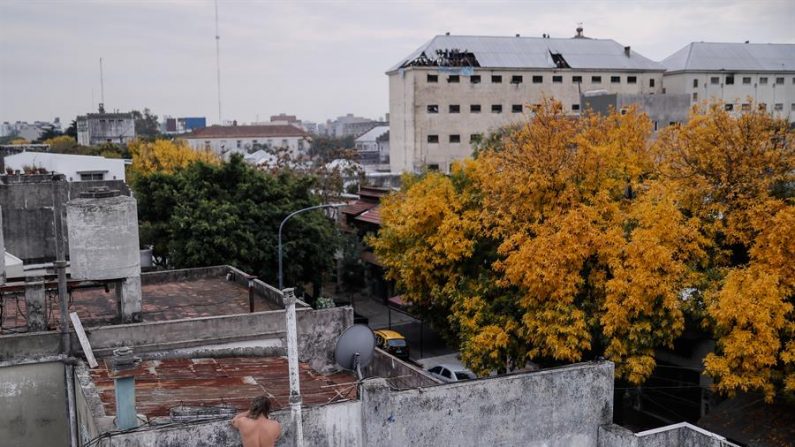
<point x="451" y="373"/>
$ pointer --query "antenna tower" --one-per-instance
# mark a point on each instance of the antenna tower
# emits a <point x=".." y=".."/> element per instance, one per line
<point x="101" y="83"/>
<point x="218" y="60"/>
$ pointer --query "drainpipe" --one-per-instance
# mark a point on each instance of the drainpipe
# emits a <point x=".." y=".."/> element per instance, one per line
<point x="60" y="268"/>
<point x="292" y="362"/>
<point x="123" y="365"/>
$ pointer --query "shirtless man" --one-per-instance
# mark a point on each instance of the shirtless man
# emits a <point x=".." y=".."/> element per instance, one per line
<point x="256" y="430"/>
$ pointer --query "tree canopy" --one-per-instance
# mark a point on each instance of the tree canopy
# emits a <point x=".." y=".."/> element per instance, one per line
<point x="568" y="238"/>
<point x="208" y="214"/>
<point x="166" y="156"/>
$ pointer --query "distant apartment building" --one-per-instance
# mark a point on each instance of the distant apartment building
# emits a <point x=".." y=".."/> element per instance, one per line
<point x="75" y="168"/>
<point x="349" y="125"/>
<point x="176" y="126"/>
<point x="373" y="149"/>
<point x="742" y="75"/>
<point x="28" y="131"/>
<point x="94" y="129"/>
<point x="245" y="139"/>
<point x="454" y="89"/>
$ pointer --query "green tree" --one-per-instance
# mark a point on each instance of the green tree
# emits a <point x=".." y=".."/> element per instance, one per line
<point x="146" y="125"/>
<point x="206" y="214"/>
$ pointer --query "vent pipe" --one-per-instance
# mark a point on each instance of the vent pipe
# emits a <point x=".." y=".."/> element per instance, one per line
<point x="123" y="365"/>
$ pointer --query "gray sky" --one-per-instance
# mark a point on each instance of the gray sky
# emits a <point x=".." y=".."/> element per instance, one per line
<point x="314" y="59"/>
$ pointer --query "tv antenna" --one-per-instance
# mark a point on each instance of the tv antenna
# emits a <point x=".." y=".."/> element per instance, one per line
<point x="218" y="60"/>
<point x="355" y="348"/>
<point x="101" y="83"/>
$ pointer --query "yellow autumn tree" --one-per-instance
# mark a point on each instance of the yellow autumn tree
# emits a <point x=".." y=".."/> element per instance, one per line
<point x="166" y="156"/>
<point x="735" y="175"/>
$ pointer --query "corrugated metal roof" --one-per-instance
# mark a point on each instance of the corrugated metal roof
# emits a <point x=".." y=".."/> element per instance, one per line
<point x="535" y="52"/>
<point x="373" y="134"/>
<point x="713" y="56"/>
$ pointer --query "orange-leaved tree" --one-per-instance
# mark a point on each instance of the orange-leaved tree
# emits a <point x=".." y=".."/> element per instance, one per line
<point x="166" y="156"/>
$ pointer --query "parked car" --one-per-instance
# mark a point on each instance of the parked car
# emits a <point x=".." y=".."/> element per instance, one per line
<point x="451" y="373"/>
<point x="393" y="343"/>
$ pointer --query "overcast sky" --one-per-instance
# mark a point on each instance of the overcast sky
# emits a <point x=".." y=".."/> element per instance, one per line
<point x="314" y="59"/>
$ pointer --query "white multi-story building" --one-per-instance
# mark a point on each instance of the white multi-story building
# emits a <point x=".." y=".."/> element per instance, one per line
<point x="243" y="139"/>
<point x="454" y="89"/>
<point x="75" y="168"/>
<point x="95" y="129"/>
<point x="742" y="75"/>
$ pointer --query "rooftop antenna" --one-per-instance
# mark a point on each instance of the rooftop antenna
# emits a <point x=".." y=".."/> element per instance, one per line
<point x="101" y="84"/>
<point x="218" y="60"/>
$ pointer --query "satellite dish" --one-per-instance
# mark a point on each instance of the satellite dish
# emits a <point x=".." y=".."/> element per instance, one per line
<point x="355" y="348"/>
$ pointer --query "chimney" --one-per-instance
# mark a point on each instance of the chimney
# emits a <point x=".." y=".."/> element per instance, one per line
<point x="123" y="364"/>
<point x="626" y="51"/>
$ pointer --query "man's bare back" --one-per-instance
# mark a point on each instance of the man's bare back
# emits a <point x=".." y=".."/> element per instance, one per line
<point x="259" y="432"/>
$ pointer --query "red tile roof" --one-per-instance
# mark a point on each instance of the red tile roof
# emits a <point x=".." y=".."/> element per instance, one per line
<point x="229" y="381"/>
<point x="271" y="131"/>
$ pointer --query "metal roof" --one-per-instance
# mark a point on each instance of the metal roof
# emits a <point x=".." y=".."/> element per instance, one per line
<point x="536" y="52"/>
<point x="713" y="56"/>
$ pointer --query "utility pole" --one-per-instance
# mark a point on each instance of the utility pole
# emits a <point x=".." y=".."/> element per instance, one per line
<point x="218" y="60"/>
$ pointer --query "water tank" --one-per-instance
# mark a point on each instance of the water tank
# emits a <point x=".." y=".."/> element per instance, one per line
<point x="103" y="235"/>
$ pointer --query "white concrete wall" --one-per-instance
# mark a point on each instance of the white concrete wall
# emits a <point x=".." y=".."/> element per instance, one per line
<point x="411" y="94"/>
<point x="297" y="145"/>
<point x="747" y="88"/>
<point x="69" y="165"/>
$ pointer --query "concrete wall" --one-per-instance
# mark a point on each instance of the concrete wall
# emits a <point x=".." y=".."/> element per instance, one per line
<point x="680" y="435"/>
<point x="27" y="203"/>
<point x="558" y="407"/>
<point x="33" y="405"/>
<point x="399" y="374"/>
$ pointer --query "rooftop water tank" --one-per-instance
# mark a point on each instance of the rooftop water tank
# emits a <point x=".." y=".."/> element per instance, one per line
<point x="103" y="235"/>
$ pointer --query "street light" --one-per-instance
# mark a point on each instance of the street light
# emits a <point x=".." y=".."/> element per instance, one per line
<point x="329" y="205"/>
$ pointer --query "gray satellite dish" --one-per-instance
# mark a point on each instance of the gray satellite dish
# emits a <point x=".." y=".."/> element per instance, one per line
<point x="355" y="348"/>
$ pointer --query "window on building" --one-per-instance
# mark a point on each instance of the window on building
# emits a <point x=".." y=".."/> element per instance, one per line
<point x="433" y="139"/>
<point x="475" y="79"/>
<point x="475" y="138"/>
<point x="496" y="79"/>
<point x="432" y="79"/>
<point x="537" y="79"/>
<point x="455" y="138"/>
<point x="695" y="96"/>
<point x="655" y="126"/>
<point x="557" y="79"/>
<point x="433" y="108"/>
<point x="729" y="107"/>
<point x="651" y="82"/>
<point x="778" y="107"/>
<point x="729" y="80"/>
<point x="516" y="108"/>
<point x="474" y="108"/>
<point x="453" y="79"/>
<point x="746" y="107"/>
<point x="576" y="79"/>
<point x="575" y="107"/>
<point x="284" y="143"/>
<point x="746" y="80"/>
<point x="792" y="106"/>
<point x="714" y="80"/>
<point x="89" y="176"/>
<point x="632" y="79"/>
<point x="454" y="108"/>
<point x="763" y="81"/>
<point x="300" y="145"/>
<point x="516" y="79"/>
<point x="239" y="144"/>
<point x="496" y="108"/>
<point x="253" y="141"/>
<point x="596" y="79"/>
<point x="780" y="80"/>
<point x="762" y="106"/>
<point x="615" y="79"/>
<point x="695" y="83"/>
<point x="433" y="167"/>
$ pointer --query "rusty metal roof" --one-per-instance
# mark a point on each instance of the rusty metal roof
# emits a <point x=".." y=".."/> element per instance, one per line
<point x="357" y="208"/>
<point x="229" y="381"/>
<point x="372" y="216"/>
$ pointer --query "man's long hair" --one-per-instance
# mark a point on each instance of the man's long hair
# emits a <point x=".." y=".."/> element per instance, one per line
<point x="259" y="406"/>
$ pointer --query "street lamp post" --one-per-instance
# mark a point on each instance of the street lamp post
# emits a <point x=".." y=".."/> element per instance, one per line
<point x="328" y="205"/>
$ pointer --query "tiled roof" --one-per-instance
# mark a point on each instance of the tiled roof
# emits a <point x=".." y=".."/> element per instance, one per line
<point x="372" y="216"/>
<point x="717" y="56"/>
<point x="270" y="131"/>
<point x="536" y="52"/>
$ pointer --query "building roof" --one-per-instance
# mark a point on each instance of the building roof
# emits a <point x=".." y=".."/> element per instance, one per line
<point x="265" y="131"/>
<point x="59" y="162"/>
<point x="161" y="385"/>
<point x="536" y="52"/>
<point x="372" y="216"/>
<point x="373" y="134"/>
<point x="715" y="56"/>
